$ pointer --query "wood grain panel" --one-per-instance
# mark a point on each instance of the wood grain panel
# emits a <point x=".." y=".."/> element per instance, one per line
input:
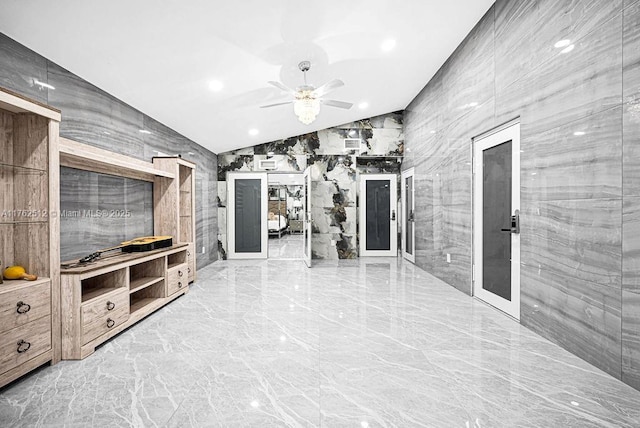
<point x="37" y="339"/>
<point x="31" y="137"/>
<point x="96" y="317"/>
<point x="24" y="303"/>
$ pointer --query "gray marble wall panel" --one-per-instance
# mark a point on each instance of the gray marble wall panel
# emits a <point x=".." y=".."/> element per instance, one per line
<point x="569" y="86"/>
<point x="588" y="150"/>
<point x="92" y="116"/>
<point x="21" y="67"/>
<point x="631" y="338"/>
<point x="631" y="192"/>
<point x="99" y="211"/>
<point x="580" y="139"/>
<point x="631" y="100"/>
<point x="528" y="31"/>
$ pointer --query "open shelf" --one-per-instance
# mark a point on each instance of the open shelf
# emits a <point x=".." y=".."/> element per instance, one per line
<point x="25" y="169"/>
<point x="144" y="282"/>
<point x="176" y="259"/>
<point x="82" y="156"/>
<point x="138" y="303"/>
<point x="95" y="293"/>
<point x="98" y="285"/>
<point x="14" y="284"/>
<point x="146" y="274"/>
<point x="22" y="221"/>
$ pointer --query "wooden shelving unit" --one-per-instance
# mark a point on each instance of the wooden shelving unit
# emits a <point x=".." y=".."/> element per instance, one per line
<point x="174" y="205"/>
<point x="29" y="234"/>
<point x="105" y="297"/>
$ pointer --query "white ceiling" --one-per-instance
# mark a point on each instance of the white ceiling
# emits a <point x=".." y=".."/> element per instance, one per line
<point x="159" y="56"/>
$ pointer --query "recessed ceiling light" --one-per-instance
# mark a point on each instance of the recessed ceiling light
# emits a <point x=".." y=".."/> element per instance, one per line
<point x="42" y="84"/>
<point x="253" y="132"/>
<point x="562" y="43"/>
<point x="388" y="45"/>
<point x="216" y="85"/>
<point x="579" y="133"/>
<point x="363" y="105"/>
<point x="568" y="49"/>
<point x="144" y="131"/>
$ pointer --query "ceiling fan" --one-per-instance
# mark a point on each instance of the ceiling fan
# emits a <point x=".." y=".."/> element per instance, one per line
<point x="307" y="98"/>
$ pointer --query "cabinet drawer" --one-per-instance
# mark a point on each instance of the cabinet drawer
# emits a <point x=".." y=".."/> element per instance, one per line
<point x="103" y="314"/>
<point x="177" y="278"/>
<point x="24" y="343"/>
<point x="23" y="305"/>
<point x="191" y="261"/>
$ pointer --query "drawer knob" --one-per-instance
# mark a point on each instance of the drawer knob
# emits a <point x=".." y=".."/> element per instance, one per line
<point x="179" y="284"/>
<point x="23" y="346"/>
<point x="110" y="323"/>
<point x="179" y="273"/>
<point x="23" y="308"/>
<point x="110" y="306"/>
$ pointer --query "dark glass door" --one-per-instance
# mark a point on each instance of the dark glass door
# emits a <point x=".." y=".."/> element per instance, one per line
<point x="248" y="224"/>
<point x="496" y="215"/>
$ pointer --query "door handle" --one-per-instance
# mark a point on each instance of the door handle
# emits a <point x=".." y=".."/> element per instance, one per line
<point x="393" y="215"/>
<point x="411" y="218"/>
<point x="515" y="223"/>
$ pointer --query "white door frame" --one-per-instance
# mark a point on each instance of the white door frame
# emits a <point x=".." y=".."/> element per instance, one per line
<point x="231" y="221"/>
<point x="503" y="134"/>
<point x="306" y="209"/>
<point x="405" y="214"/>
<point x="393" y="222"/>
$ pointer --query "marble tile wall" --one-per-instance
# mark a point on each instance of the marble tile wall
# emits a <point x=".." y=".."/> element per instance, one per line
<point x="631" y="194"/>
<point x="580" y="141"/>
<point x="334" y="174"/>
<point x="98" y="211"/>
<point x="94" y="117"/>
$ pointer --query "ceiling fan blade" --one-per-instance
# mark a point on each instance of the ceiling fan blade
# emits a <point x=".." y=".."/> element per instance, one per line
<point x="328" y="87"/>
<point x="276" y="104"/>
<point x="339" y="104"/>
<point x="281" y="87"/>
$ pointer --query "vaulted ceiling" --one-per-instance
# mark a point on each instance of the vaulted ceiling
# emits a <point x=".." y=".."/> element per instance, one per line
<point x="162" y="57"/>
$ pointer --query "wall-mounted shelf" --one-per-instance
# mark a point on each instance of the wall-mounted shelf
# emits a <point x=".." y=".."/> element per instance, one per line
<point x="82" y="156"/>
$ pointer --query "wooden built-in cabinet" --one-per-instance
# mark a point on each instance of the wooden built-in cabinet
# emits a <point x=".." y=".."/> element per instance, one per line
<point x="102" y="299"/>
<point x="29" y="234"/>
<point x="174" y="206"/>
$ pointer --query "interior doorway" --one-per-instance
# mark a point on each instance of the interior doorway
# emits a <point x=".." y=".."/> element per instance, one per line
<point x="497" y="219"/>
<point x="285" y="215"/>
<point x="408" y="239"/>
<point x="378" y="223"/>
<point x="246" y="223"/>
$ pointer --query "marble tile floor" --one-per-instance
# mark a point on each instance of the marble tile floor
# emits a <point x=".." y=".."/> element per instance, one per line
<point x="374" y="342"/>
<point x="288" y="246"/>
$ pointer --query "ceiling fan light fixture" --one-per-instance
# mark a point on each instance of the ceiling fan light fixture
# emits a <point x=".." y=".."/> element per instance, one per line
<point x="306" y="106"/>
